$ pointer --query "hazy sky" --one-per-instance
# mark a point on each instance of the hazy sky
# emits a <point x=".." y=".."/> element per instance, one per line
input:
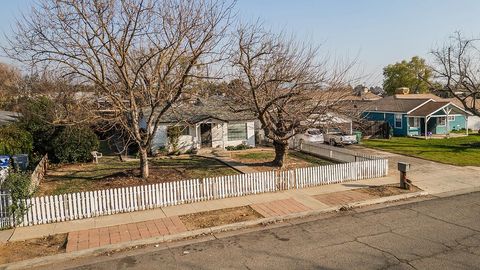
<point x="375" y="32"/>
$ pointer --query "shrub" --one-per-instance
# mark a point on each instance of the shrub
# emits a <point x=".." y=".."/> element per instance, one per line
<point x="238" y="147"/>
<point x="36" y="116"/>
<point x="18" y="184"/>
<point x="462" y="130"/>
<point x="173" y="135"/>
<point x="74" y="144"/>
<point x="14" y="140"/>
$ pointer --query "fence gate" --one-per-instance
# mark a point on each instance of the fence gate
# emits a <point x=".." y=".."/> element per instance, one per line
<point x="5" y="220"/>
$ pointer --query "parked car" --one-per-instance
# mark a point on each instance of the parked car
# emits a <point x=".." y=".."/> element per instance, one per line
<point x="334" y="136"/>
<point x="310" y="135"/>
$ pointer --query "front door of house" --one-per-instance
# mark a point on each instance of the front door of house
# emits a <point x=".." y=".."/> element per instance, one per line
<point x="206" y="135"/>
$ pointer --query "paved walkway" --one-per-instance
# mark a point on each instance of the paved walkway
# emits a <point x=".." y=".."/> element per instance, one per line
<point x="98" y="237"/>
<point x="303" y="196"/>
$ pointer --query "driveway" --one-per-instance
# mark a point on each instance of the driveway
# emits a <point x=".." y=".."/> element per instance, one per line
<point x="430" y="176"/>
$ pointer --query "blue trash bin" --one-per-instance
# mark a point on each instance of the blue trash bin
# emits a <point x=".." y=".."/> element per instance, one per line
<point x="4" y="162"/>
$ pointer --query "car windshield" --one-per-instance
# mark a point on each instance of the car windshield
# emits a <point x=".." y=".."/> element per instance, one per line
<point x="313" y="132"/>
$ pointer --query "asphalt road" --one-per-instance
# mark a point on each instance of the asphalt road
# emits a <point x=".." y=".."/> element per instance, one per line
<point x="435" y="234"/>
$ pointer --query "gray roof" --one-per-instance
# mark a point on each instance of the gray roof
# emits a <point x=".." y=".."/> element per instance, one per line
<point x="215" y="107"/>
<point x="393" y="104"/>
<point x="429" y="108"/>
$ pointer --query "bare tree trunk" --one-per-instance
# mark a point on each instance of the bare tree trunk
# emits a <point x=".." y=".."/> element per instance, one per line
<point x="143" y="162"/>
<point x="280" y="153"/>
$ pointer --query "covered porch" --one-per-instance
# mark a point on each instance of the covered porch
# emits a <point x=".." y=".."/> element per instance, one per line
<point x="208" y="133"/>
<point x="437" y="120"/>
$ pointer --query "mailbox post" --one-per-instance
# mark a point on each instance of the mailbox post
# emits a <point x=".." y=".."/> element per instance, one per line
<point x="404" y="182"/>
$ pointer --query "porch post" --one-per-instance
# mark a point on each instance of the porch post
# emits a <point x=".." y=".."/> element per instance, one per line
<point x="466" y="124"/>
<point x="447" y="132"/>
<point x="426" y="126"/>
<point x="197" y="136"/>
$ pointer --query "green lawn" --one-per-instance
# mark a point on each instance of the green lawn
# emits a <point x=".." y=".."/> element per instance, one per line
<point x="461" y="151"/>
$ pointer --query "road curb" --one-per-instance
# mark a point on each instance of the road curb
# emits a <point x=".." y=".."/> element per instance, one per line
<point x="42" y="261"/>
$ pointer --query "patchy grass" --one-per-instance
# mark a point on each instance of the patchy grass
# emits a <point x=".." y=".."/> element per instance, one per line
<point x="112" y="173"/>
<point x="33" y="248"/>
<point x="219" y="217"/>
<point x="259" y="156"/>
<point x="260" y="159"/>
<point x="461" y="151"/>
<point x="309" y="158"/>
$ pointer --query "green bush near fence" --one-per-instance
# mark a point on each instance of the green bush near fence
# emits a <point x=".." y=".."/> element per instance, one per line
<point x="74" y="144"/>
<point x="18" y="185"/>
<point x="14" y="140"/>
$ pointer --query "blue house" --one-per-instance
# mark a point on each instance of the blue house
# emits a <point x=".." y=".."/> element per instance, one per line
<point x="418" y="114"/>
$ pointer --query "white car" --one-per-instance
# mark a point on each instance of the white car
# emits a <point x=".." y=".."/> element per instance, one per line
<point x="310" y="135"/>
<point x="334" y="136"/>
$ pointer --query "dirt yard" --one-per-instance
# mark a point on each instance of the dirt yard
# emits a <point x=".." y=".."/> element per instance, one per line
<point x="29" y="249"/>
<point x="112" y="173"/>
<point x="260" y="158"/>
<point x="388" y="190"/>
<point x="219" y="217"/>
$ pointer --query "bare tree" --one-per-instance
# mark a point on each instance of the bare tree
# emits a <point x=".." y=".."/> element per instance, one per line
<point x="282" y="82"/>
<point x="10" y="79"/>
<point x="140" y="55"/>
<point x="457" y="68"/>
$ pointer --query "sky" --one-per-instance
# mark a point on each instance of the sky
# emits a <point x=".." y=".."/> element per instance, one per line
<point x="373" y="33"/>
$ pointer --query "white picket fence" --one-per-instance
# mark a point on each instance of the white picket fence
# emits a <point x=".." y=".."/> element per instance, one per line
<point x="5" y="220"/>
<point x="73" y="206"/>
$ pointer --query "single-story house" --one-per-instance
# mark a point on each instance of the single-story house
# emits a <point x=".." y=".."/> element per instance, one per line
<point x="418" y="114"/>
<point x="206" y="123"/>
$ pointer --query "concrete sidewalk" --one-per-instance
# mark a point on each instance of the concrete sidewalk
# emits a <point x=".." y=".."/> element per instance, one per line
<point x="302" y="196"/>
<point x="432" y="177"/>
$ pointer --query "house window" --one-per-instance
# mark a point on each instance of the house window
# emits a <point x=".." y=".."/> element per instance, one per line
<point x="451" y="118"/>
<point x="398" y="120"/>
<point x="441" y="121"/>
<point x="185" y="130"/>
<point x="237" y="132"/>
<point x="414" y="122"/>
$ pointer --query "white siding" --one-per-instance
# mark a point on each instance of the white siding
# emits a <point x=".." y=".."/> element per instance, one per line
<point x="219" y="137"/>
<point x="217" y="134"/>
<point x="160" y="140"/>
<point x="474" y="122"/>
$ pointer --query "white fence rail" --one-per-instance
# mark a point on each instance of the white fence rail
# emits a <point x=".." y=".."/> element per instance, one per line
<point x="335" y="153"/>
<point x="81" y="205"/>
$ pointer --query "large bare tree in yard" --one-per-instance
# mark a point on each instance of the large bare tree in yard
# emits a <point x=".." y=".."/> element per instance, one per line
<point x="281" y="81"/>
<point x="139" y="55"/>
<point x="457" y="67"/>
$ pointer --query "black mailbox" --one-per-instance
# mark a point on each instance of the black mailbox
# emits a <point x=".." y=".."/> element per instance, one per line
<point x="403" y="166"/>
